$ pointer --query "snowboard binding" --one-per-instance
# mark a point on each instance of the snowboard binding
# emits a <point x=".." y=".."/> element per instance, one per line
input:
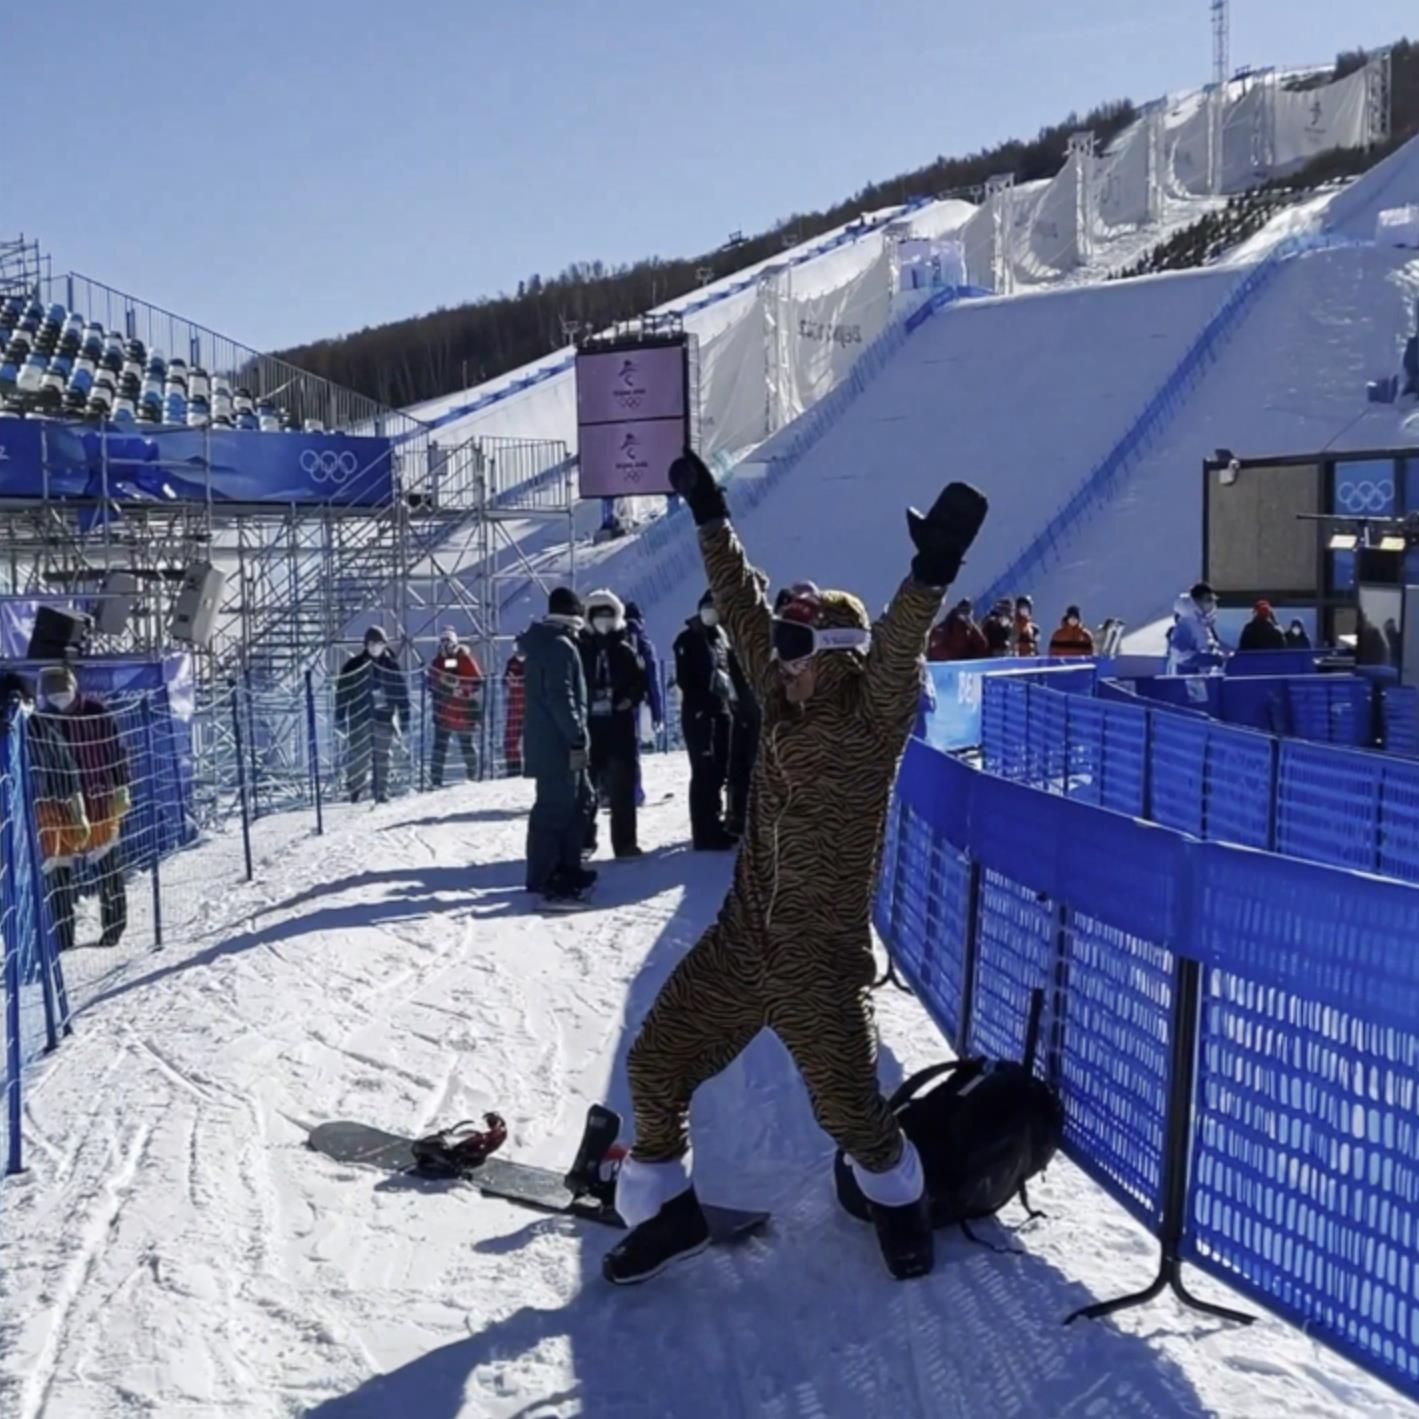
<point x="598" y="1159"/>
<point x="460" y="1149"/>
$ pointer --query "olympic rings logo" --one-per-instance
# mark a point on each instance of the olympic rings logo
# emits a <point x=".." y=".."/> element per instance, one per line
<point x="328" y="466"/>
<point x="1366" y="495"/>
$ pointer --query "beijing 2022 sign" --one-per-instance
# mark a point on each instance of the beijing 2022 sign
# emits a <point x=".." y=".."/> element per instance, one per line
<point x="632" y="417"/>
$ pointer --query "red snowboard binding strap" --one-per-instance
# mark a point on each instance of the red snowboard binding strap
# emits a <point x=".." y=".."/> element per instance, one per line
<point x="461" y="1148"/>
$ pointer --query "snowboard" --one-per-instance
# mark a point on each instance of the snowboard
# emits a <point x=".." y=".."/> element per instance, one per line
<point x="583" y="1192"/>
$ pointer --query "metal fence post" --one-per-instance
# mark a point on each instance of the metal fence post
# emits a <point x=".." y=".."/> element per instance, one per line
<point x="423" y="728"/>
<point x="51" y="974"/>
<point x="241" y="781"/>
<point x="968" y="963"/>
<point x="251" y="747"/>
<point x="10" y="940"/>
<point x="1177" y="1151"/>
<point x="313" y="749"/>
<point x="153" y="819"/>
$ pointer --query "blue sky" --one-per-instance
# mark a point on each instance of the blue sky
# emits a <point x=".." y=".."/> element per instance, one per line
<point x="285" y="171"/>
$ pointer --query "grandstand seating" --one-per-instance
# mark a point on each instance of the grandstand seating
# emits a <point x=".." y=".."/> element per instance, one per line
<point x="54" y="364"/>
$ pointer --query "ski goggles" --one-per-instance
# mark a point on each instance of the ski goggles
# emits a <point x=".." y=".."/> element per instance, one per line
<point x="793" y="640"/>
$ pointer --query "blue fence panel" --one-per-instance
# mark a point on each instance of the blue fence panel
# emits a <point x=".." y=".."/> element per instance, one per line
<point x="1305" y="1182"/>
<point x="1327" y="805"/>
<point x="1179" y="752"/>
<point x="1240" y="791"/>
<point x="1398" y="848"/>
<point x="1015" y="944"/>
<point x="1004" y="717"/>
<point x="1399" y="710"/>
<point x="1125" y="759"/>
<point x="1114" y="1063"/>
<point x="1084" y="759"/>
<point x="1049" y="732"/>
<point x="1336" y="709"/>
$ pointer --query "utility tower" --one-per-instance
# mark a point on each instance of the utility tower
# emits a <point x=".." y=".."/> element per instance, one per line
<point x="1221" y="33"/>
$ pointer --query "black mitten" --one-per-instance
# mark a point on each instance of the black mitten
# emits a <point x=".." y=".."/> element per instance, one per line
<point x="943" y="536"/>
<point x="695" y="483"/>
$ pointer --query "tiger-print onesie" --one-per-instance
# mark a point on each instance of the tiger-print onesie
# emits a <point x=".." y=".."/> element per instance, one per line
<point x="792" y="947"/>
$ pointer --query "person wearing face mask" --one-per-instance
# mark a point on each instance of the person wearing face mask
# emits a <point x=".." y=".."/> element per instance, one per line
<point x="706" y="721"/>
<point x="1072" y="637"/>
<point x="1027" y="633"/>
<point x="615" y="688"/>
<point x="82" y="798"/>
<point x="371" y="707"/>
<point x="1194" y="647"/>
<point x="456" y="689"/>
<point x="655" y="693"/>
<point x="792" y="947"/>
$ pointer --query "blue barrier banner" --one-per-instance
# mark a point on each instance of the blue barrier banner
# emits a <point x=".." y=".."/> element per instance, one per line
<point x="954" y="721"/>
<point x="165" y="465"/>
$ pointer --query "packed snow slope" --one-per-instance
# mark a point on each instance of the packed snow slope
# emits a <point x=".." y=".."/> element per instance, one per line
<point x="175" y="1249"/>
<point x="1291" y="380"/>
<point x="1017" y="394"/>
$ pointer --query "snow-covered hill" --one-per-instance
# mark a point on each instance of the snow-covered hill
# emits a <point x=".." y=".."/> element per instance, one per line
<point x="174" y="1249"/>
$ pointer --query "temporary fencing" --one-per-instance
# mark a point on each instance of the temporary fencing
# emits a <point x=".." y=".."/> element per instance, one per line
<point x="102" y="804"/>
<point x="1234" y="1033"/>
<point x="1320" y="802"/>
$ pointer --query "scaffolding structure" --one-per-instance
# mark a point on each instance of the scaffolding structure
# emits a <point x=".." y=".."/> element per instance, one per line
<point x="467" y="531"/>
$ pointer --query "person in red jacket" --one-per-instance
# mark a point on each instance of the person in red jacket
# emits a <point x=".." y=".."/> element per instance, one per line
<point x="515" y="690"/>
<point x="456" y="688"/>
<point x="957" y="637"/>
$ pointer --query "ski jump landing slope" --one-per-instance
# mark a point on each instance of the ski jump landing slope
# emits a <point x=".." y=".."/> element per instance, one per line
<point x="1023" y="395"/>
<point x="1018" y="394"/>
<point x="174" y="1249"/>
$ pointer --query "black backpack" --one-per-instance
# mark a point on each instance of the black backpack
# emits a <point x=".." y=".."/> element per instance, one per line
<point x="983" y="1130"/>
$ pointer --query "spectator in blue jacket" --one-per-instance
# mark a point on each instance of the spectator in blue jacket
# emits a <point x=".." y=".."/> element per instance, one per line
<point x="555" y="741"/>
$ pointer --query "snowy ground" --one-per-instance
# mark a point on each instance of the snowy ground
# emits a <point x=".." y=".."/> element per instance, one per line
<point x="174" y="1249"/>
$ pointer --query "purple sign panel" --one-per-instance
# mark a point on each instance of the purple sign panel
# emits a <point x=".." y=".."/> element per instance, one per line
<point x="648" y="383"/>
<point x="630" y="459"/>
<point x="631" y="418"/>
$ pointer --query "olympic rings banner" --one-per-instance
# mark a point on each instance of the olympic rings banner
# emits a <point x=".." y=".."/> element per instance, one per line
<point x="41" y="458"/>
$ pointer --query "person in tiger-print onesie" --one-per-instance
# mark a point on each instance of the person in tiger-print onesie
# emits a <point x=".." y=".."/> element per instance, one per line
<point x="792" y="947"/>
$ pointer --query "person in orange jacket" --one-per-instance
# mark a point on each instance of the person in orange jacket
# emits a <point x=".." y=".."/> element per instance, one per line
<point x="1072" y="637"/>
<point x="456" y="688"/>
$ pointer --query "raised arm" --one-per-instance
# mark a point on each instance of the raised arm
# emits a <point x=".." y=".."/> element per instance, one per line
<point x="899" y="637"/>
<point x="738" y="592"/>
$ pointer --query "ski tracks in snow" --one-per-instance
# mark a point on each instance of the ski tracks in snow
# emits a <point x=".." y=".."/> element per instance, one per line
<point x="176" y="1249"/>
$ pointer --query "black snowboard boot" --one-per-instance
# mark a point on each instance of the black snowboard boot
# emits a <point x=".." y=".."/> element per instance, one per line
<point x="679" y="1230"/>
<point x="904" y="1234"/>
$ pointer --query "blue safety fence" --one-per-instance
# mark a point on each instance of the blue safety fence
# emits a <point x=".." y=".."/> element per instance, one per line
<point x="1234" y="1034"/>
<point x="1182" y="769"/>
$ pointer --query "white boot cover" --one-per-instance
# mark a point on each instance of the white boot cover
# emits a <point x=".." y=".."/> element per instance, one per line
<point x="642" y="1189"/>
<point x="900" y="1184"/>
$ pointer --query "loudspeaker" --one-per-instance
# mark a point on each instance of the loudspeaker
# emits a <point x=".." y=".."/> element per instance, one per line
<point x="120" y="591"/>
<point x="1377" y="567"/>
<point x="57" y="634"/>
<point x="196" y="607"/>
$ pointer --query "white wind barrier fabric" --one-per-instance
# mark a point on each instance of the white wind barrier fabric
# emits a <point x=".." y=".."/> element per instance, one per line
<point x="1245" y="137"/>
<point x="1123" y="177"/>
<point x="1316" y="120"/>
<point x="819" y="319"/>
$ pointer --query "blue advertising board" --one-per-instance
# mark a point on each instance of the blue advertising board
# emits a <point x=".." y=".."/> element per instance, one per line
<point x="41" y="458"/>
